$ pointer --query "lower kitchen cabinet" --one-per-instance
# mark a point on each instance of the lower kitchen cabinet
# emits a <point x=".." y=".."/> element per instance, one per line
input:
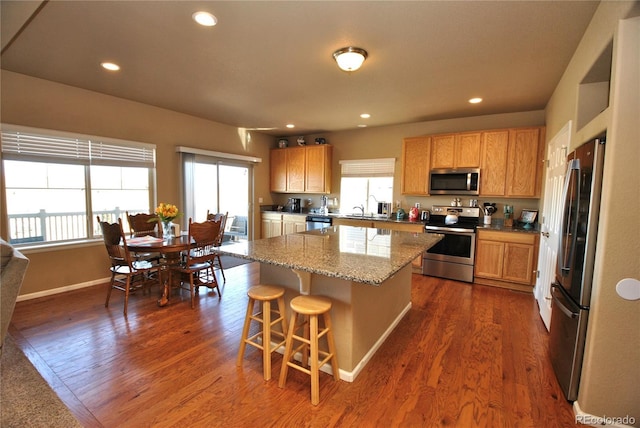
<point x="293" y="223"/>
<point x="276" y="224"/>
<point x="271" y="225"/>
<point x="506" y="259"/>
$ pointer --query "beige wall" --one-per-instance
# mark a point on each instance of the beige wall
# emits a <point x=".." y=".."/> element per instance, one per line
<point x="43" y="104"/>
<point x="39" y="103"/>
<point x="610" y="383"/>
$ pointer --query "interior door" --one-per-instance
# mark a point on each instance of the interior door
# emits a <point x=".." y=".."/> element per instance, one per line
<point x="551" y="219"/>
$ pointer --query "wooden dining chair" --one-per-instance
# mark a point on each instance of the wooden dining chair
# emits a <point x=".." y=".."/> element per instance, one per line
<point x="143" y="224"/>
<point x="126" y="274"/>
<point x="223" y="221"/>
<point x="199" y="262"/>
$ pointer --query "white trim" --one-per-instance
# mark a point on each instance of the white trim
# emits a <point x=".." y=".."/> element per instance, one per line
<point x="593" y="420"/>
<point x="64" y="289"/>
<point x="222" y="155"/>
<point x="351" y="376"/>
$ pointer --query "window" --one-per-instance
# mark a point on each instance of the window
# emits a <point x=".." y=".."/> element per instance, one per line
<point x="365" y="183"/>
<point x="218" y="182"/>
<point x="57" y="183"/>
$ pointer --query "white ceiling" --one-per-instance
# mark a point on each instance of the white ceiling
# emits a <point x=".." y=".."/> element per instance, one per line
<point x="269" y="63"/>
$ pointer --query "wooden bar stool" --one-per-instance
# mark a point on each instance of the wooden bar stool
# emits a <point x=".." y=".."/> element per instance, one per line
<point x="309" y="308"/>
<point x="264" y="294"/>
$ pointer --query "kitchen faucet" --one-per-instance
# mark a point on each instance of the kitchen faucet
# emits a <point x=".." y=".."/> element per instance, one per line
<point x="361" y="208"/>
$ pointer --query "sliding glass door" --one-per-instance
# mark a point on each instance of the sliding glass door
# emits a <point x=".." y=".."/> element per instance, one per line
<point x="214" y="185"/>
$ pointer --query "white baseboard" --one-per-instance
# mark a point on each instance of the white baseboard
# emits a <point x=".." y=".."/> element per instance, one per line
<point x="351" y="376"/>
<point x="62" y="289"/>
<point x="587" y="419"/>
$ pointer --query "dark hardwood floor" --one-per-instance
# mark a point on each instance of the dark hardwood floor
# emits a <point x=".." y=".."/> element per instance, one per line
<point x="464" y="356"/>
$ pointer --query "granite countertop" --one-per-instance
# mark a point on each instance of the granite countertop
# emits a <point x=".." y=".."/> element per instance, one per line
<point x="360" y="254"/>
<point x="391" y="219"/>
<point x="498" y="225"/>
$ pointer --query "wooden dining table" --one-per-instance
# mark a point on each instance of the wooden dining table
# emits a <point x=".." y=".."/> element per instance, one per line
<point x="170" y="249"/>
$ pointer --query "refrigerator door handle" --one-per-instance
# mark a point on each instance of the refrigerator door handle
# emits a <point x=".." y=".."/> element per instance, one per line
<point x="564" y="260"/>
<point x="568" y="312"/>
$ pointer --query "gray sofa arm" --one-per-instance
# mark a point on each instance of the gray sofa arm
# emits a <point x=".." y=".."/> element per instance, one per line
<point x="13" y="266"/>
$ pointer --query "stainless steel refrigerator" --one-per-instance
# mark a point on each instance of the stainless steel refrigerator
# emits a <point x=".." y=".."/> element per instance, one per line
<point x="571" y="291"/>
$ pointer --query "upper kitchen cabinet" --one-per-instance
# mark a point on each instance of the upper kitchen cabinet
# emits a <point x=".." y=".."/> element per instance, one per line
<point x="318" y="168"/>
<point x="303" y="169"/>
<point x="524" y="164"/>
<point x="511" y="162"/>
<point x="415" y="165"/>
<point x="493" y="164"/>
<point x="461" y="150"/>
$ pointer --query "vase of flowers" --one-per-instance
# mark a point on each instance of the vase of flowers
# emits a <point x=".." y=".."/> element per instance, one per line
<point x="167" y="213"/>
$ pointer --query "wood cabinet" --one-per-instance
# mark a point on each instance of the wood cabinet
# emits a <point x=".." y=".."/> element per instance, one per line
<point x="318" y="168"/>
<point x="277" y="224"/>
<point x="506" y="259"/>
<point x="510" y="160"/>
<point x="278" y="170"/>
<point x="461" y="150"/>
<point x="302" y="169"/>
<point x="416" y="153"/>
<point x="493" y="164"/>
<point x="511" y="163"/>
<point x="271" y="225"/>
<point x="524" y="164"/>
<point x="293" y="223"/>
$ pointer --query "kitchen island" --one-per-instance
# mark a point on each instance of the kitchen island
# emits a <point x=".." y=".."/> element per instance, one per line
<point x="365" y="271"/>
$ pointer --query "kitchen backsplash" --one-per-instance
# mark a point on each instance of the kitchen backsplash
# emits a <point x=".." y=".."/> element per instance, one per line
<point x="406" y="202"/>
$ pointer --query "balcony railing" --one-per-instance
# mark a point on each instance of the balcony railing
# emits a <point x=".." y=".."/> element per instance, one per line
<point x="69" y="226"/>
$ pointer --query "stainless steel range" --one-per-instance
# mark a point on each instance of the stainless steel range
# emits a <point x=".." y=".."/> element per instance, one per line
<point x="454" y="255"/>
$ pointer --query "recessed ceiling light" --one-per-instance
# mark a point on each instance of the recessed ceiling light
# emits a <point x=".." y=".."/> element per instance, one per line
<point x="475" y="100"/>
<point x="110" y="66"/>
<point x="362" y="126"/>
<point x="205" y="18"/>
<point x="365" y="115"/>
<point x="290" y="125"/>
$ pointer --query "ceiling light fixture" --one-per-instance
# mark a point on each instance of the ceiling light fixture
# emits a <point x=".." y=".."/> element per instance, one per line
<point x="350" y="58"/>
<point x="110" y="66"/>
<point x="365" y="115"/>
<point x="475" y="100"/>
<point x="205" y="18"/>
<point x="290" y="125"/>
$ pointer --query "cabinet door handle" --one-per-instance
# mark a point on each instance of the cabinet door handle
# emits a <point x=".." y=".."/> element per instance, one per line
<point x="545" y="234"/>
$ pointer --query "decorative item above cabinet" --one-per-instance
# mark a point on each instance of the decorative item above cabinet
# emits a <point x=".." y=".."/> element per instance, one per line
<point x="302" y="169"/>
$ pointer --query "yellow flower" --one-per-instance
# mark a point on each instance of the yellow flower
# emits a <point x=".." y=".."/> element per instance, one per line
<point x="167" y="212"/>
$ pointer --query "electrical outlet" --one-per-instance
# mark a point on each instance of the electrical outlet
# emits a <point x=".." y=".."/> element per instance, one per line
<point x="397" y="204"/>
<point x="418" y="205"/>
<point x="260" y="200"/>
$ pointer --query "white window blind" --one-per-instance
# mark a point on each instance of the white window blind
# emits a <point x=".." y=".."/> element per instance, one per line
<point x="383" y="167"/>
<point x="41" y="145"/>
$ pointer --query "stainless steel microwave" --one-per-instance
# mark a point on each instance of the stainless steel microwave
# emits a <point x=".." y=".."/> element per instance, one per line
<point x="462" y="181"/>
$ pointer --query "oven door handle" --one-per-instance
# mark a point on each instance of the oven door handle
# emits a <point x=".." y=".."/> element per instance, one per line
<point x="451" y="230"/>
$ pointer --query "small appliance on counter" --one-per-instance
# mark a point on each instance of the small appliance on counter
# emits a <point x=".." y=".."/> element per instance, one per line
<point x="384" y="208"/>
<point x="294" y="205"/>
<point x="324" y="206"/>
<point x="400" y="214"/>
